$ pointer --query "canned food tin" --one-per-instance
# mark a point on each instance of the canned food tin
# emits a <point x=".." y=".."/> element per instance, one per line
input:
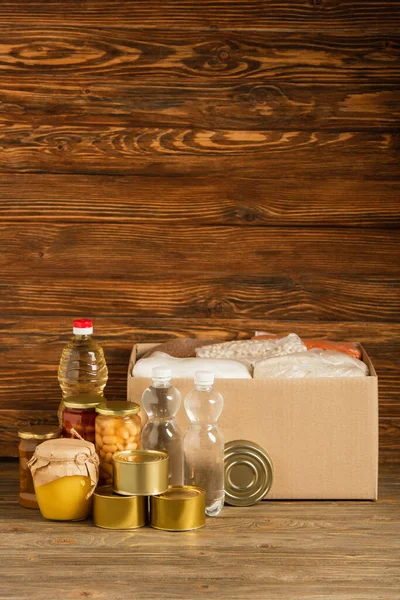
<point x="248" y="473"/>
<point x="112" y="511"/>
<point x="180" y="508"/>
<point x="140" y="472"/>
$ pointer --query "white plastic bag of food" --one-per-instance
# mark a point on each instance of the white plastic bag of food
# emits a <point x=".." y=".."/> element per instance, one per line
<point x="314" y="363"/>
<point x="186" y="367"/>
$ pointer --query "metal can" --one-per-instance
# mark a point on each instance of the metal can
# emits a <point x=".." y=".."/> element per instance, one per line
<point x="180" y="508"/>
<point x="248" y="473"/>
<point x="112" y="511"/>
<point x="140" y="472"/>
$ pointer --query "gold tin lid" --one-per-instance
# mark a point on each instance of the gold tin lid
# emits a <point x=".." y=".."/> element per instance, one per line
<point x="115" y="408"/>
<point x="248" y="473"/>
<point x="140" y="472"/>
<point x="111" y="511"/>
<point x="180" y="508"/>
<point x="40" y="432"/>
<point x="83" y="401"/>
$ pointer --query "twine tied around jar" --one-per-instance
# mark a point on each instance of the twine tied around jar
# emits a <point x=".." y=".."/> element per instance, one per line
<point x="46" y="466"/>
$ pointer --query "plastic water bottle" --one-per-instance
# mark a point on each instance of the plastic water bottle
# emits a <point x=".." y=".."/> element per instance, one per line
<point x="82" y="368"/>
<point x="203" y="443"/>
<point x="161" y="401"/>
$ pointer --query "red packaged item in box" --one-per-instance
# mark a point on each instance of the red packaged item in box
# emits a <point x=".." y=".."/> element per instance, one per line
<point x="350" y="348"/>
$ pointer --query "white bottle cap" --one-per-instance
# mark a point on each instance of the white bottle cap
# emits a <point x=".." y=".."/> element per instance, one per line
<point x="203" y="378"/>
<point x="82" y="327"/>
<point x="161" y="373"/>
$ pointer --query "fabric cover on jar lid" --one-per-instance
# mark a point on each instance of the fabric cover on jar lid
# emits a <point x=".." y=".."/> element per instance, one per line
<point x="64" y="457"/>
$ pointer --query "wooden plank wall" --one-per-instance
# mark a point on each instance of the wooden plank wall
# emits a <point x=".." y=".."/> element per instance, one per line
<point x="186" y="168"/>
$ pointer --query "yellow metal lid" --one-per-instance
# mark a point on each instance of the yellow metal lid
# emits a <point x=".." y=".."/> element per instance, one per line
<point x="112" y="511"/>
<point x="116" y="408"/>
<point x="39" y="432"/>
<point x="248" y="473"/>
<point x="179" y="508"/>
<point x="83" y="401"/>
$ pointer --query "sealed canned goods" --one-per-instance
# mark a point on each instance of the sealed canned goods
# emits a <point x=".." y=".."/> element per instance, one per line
<point x="112" y="511"/>
<point x="140" y="472"/>
<point x="118" y="428"/>
<point x="248" y="473"/>
<point x="179" y="508"/>
<point x="78" y="413"/>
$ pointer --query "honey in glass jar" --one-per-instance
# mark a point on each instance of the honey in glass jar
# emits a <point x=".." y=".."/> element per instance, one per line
<point x="65" y="473"/>
<point x="30" y="437"/>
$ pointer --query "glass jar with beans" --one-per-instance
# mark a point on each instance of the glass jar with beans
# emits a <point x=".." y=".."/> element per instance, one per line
<point x="118" y="428"/>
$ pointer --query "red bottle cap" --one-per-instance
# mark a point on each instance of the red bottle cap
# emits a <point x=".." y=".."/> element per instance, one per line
<point x="83" y="323"/>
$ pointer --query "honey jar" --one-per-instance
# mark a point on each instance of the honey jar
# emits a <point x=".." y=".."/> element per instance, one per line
<point x="65" y="473"/>
<point x="30" y="437"/>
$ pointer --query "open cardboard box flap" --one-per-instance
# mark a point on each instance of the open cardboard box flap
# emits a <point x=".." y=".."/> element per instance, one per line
<point x="321" y="434"/>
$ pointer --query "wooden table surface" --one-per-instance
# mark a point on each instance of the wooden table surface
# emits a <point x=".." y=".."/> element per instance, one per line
<point x="284" y="550"/>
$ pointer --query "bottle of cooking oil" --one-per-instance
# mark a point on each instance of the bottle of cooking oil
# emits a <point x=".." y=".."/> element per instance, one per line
<point x="82" y="368"/>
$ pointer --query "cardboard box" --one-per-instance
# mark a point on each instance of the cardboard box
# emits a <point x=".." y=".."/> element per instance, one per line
<point x="322" y="434"/>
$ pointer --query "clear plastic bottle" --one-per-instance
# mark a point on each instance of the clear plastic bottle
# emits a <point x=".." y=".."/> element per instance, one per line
<point x="161" y="401"/>
<point x="203" y="443"/>
<point x="82" y="368"/>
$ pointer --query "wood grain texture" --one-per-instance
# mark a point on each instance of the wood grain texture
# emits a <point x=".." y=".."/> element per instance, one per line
<point x="351" y="16"/>
<point x="246" y="272"/>
<point x="280" y="550"/>
<point x="253" y="251"/>
<point x="94" y="148"/>
<point x="208" y="200"/>
<point x="255" y="105"/>
<point x="201" y="58"/>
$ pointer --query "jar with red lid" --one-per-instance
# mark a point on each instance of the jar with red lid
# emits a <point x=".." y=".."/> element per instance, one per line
<point x="79" y="413"/>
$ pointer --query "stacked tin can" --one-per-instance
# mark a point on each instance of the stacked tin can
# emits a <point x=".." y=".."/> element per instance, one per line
<point x="140" y="495"/>
<point x="140" y="486"/>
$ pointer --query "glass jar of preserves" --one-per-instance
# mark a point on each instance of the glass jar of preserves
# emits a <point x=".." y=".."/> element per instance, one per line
<point x="118" y="428"/>
<point x="79" y="413"/>
<point x="65" y="473"/>
<point x="30" y="437"/>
